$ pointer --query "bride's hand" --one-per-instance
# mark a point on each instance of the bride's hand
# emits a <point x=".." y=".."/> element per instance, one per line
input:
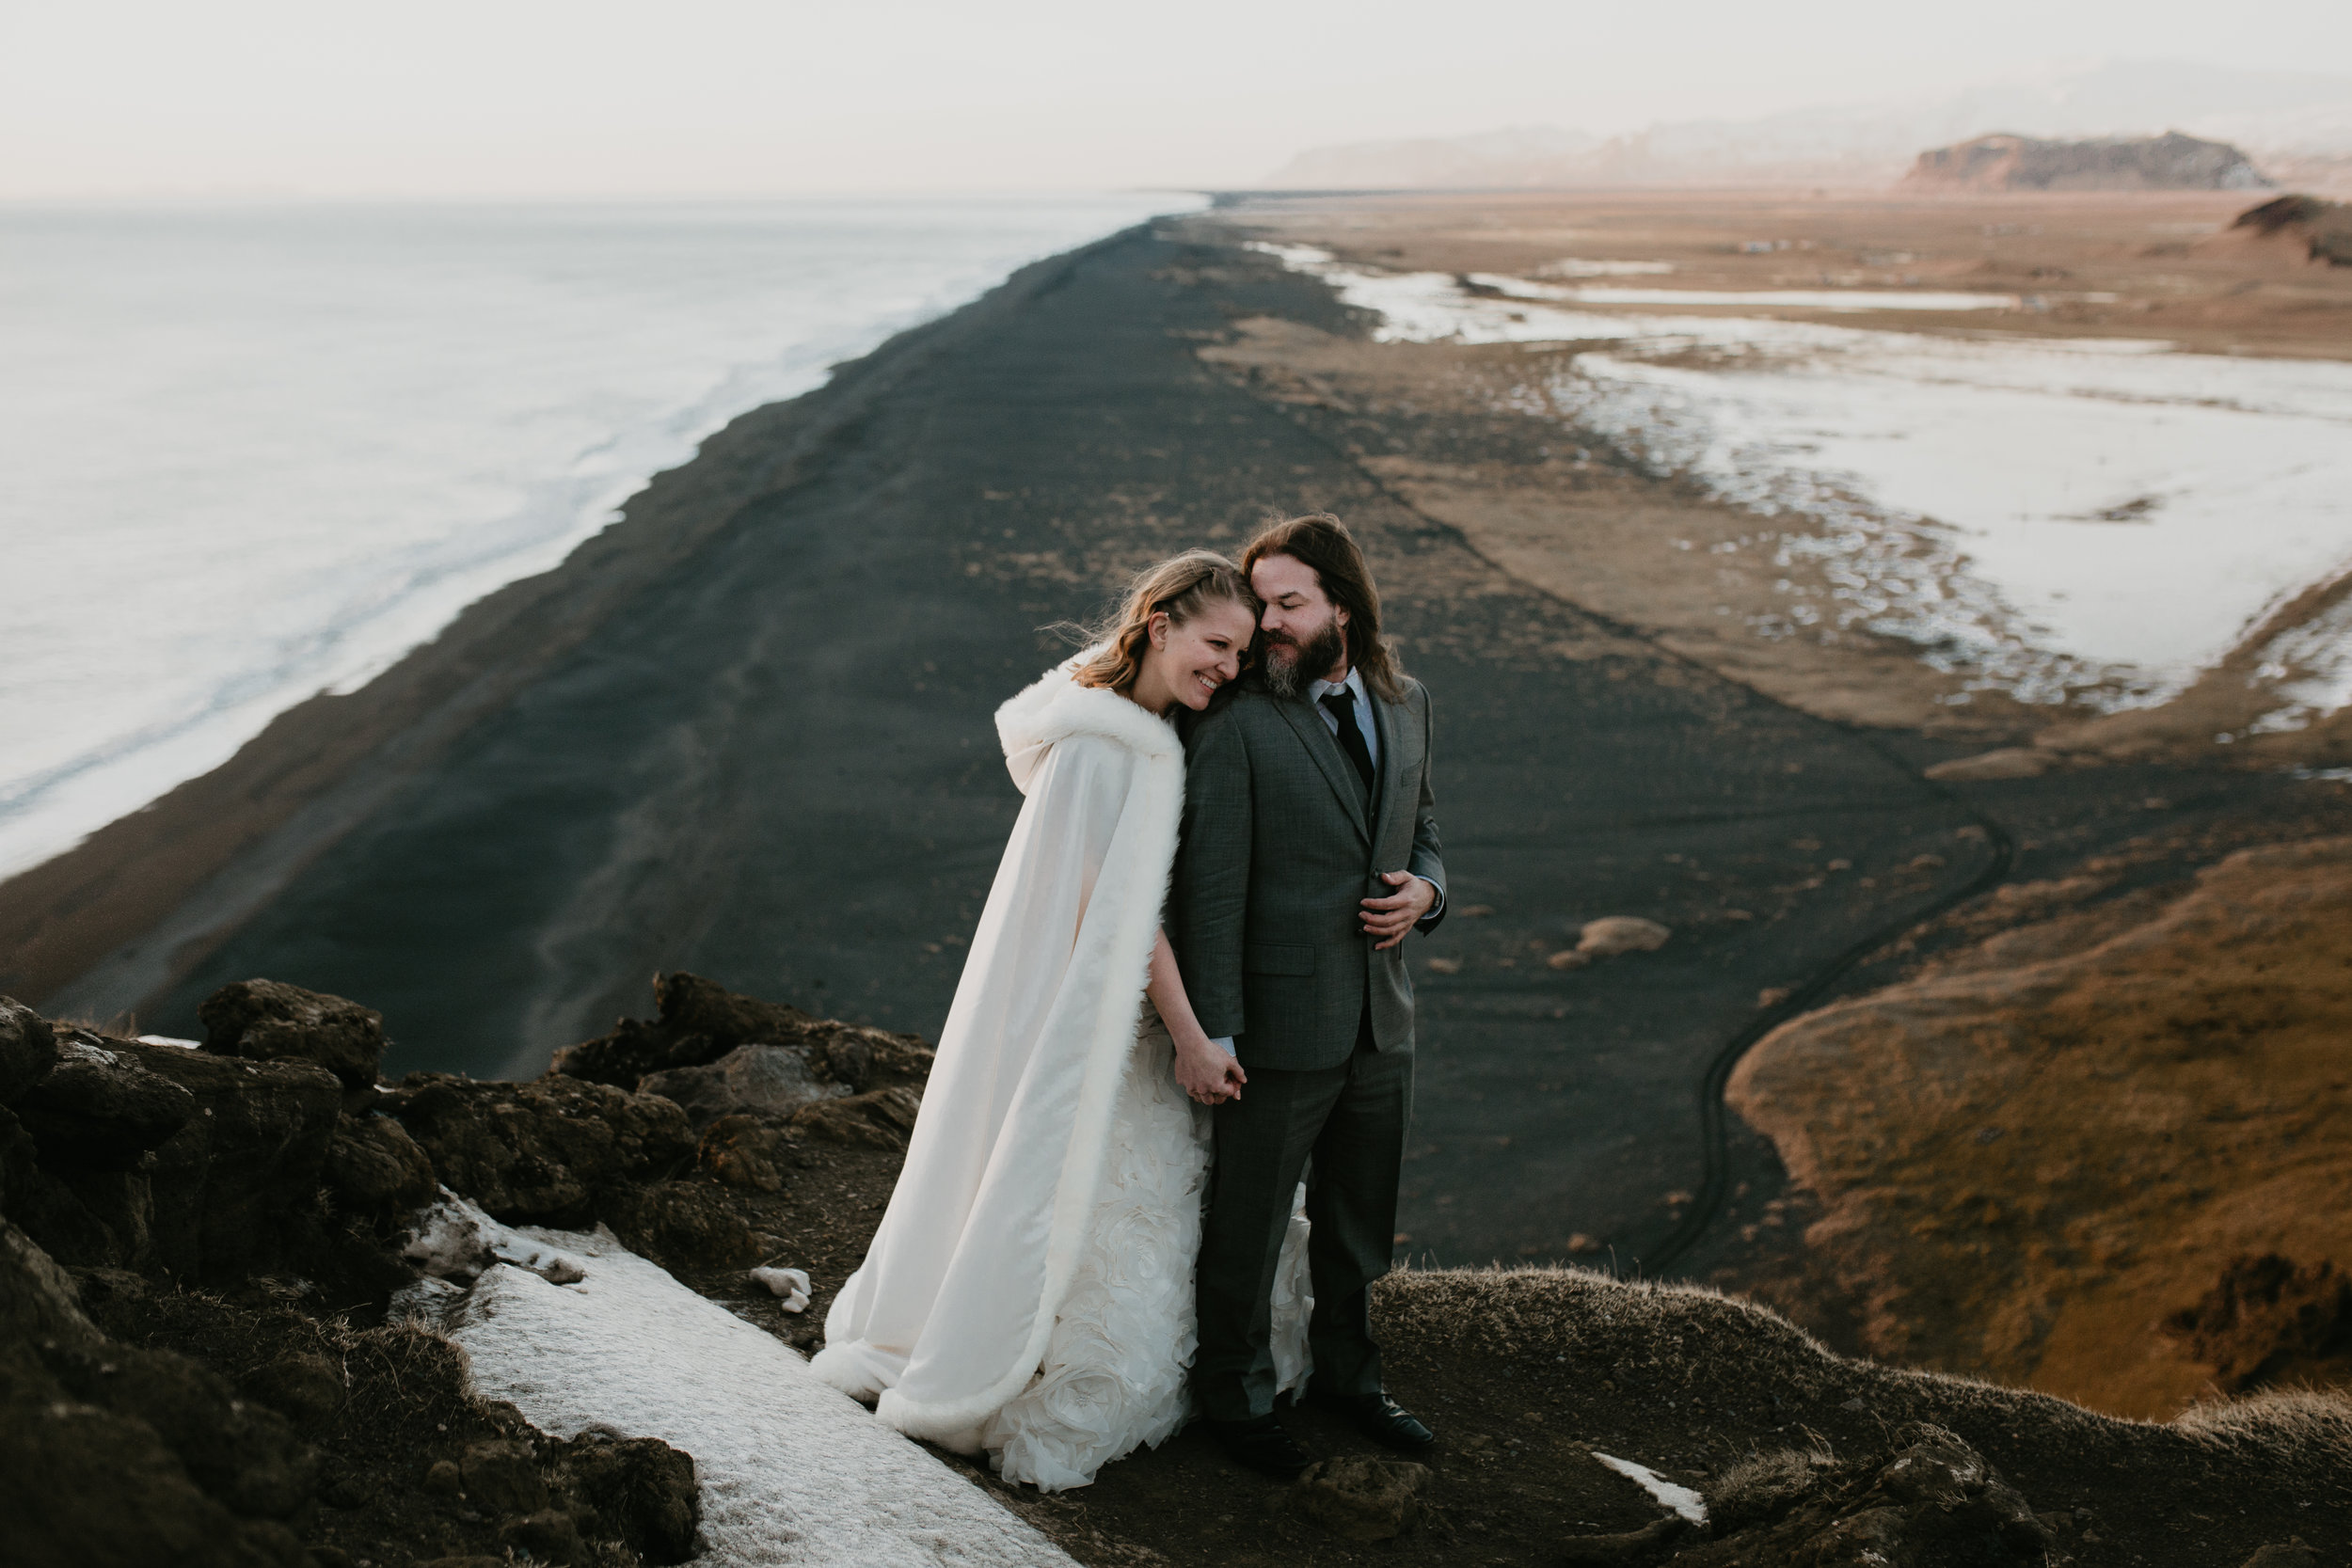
<point x="1207" y="1073"/>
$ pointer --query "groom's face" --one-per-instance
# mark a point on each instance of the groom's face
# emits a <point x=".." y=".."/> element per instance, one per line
<point x="1305" y="633"/>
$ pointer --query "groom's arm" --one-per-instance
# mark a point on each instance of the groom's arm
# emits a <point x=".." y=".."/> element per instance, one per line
<point x="1211" y="886"/>
<point x="1428" y="862"/>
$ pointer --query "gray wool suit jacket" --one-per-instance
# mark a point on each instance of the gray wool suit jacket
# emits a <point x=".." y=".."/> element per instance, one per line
<point x="1277" y="850"/>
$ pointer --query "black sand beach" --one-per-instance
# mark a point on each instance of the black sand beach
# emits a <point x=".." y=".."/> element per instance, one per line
<point x="747" y="732"/>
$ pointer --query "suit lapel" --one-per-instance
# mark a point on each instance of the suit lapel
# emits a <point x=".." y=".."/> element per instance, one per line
<point x="1337" y="770"/>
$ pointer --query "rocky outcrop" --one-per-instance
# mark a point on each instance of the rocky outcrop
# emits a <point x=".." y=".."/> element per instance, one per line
<point x="266" y="1020"/>
<point x="2171" y="162"/>
<point x="542" y="1152"/>
<point x="1933" y="1501"/>
<point x="750" y="1080"/>
<point x="701" y="1022"/>
<point x="114" y="1454"/>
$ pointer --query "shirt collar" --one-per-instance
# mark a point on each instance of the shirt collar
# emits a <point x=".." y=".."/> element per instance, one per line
<point x="1352" y="686"/>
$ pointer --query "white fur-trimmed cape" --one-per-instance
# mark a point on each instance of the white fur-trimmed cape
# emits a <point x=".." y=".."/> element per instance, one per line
<point x="948" y="1317"/>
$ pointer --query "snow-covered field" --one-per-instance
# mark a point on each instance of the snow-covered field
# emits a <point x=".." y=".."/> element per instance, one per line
<point x="2094" y="519"/>
<point x="581" y="1333"/>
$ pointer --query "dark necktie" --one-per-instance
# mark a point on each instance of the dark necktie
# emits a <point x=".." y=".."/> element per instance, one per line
<point x="1342" y="706"/>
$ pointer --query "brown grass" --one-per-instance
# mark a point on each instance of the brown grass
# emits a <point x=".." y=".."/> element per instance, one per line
<point x="2033" y="1154"/>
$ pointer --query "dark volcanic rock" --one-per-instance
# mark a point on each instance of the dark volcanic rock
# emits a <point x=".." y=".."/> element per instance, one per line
<point x="1932" y="1502"/>
<point x="111" y="1454"/>
<point x="235" y="1190"/>
<point x="267" y="1021"/>
<point x="701" y="1022"/>
<point x="684" y="1225"/>
<point x="27" y="1049"/>
<point x="502" y="1477"/>
<point x="743" y="1151"/>
<point x="538" y="1152"/>
<point x="643" y="1490"/>
<point x="751" y="1080"/>
<point x="101" y="1109"/>
<point x="880" y="1120"/>
<point x="374" y="1167"/>
<point x="1359" y="1497"/>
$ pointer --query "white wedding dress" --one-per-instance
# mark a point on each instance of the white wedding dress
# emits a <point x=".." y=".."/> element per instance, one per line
<point x="1114" y="1377"/>
<point x="1029" y="1290"/>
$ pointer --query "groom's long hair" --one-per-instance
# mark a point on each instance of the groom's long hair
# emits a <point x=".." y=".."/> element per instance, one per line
<point x="1322" y="542"/>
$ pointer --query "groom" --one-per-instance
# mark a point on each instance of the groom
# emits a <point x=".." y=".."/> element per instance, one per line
<point x="1308" y="854"/>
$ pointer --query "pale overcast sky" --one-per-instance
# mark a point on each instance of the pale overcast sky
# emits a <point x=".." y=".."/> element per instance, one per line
<point x="485" y="96"/>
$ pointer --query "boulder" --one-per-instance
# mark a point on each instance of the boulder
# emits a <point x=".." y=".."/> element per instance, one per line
<point x="39" y="1303"/>
<point x="100" y="1109"/>
<point x="744" y="1151"/>
<point x="266" y="1020"/>
<point x="882" y="1119"/>
<point x="502" y="1477"/>
<point x="643" y="1491"/>
<point x="750" y="1080"/>
<point x="235" y="1190"/>
<point x="547" y="1536"/>
<point x="702" y="1021"/>
<point x="27" y="1049"/>
<point x="1933" y="1500"/>
<point x="1358" y="1498"/>
<point x="374" y="1166"/>
<point x="684" y="1225"/>
<point x="538" y="1152"/>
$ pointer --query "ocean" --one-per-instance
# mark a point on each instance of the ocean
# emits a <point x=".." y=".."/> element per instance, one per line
<point x="255" y="452"/>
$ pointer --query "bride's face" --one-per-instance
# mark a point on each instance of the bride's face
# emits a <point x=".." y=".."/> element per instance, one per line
<point x="1188" y="663"/>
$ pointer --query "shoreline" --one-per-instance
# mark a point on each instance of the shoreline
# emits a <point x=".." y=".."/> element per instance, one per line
<point x="745" y="731"/>
<point x="101" y="928"/>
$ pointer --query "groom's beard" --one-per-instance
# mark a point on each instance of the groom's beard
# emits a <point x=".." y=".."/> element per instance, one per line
<point x="1307" y="662"/>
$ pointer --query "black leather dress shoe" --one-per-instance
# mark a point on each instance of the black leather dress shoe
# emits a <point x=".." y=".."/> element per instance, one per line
<point x="1379" y="1418"/>
<point x="1262" y="1445"/>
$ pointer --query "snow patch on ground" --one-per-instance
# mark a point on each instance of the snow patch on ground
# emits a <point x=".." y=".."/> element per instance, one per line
<point x="1681" y="1499"/>
<point x="792" y="1471"/>
<point x="2093" y="519"/>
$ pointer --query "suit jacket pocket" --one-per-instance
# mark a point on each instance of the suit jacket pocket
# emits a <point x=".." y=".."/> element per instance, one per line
<point x="1272" y="959"/>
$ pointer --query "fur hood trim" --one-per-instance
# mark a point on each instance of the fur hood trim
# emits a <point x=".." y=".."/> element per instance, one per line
<point x="1056" y="708"/>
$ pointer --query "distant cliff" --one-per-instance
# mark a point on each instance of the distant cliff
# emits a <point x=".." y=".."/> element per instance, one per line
<point x="2171" y="162"/>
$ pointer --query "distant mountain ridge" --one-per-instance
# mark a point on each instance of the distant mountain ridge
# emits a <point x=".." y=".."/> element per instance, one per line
<point x="2167" y="163"/>
<point x="2295" y="125"/>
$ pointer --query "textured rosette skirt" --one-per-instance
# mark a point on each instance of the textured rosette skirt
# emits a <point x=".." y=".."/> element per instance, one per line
<point x="1114" y="1374"/>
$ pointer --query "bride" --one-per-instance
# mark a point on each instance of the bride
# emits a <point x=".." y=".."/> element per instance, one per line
<point x="1031" y="1288"/>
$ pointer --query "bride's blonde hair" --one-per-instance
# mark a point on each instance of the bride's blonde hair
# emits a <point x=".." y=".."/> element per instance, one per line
<point x="1182" y="586"/>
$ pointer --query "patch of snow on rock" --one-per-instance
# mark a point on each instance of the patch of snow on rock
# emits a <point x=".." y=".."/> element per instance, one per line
<point x="1681" y="1499"/>
<point x="792" y="1471"/>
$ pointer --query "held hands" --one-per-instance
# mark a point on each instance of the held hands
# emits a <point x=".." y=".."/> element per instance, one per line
<point x="1393" y="917"/>
<point x="1207" y="1073"/>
